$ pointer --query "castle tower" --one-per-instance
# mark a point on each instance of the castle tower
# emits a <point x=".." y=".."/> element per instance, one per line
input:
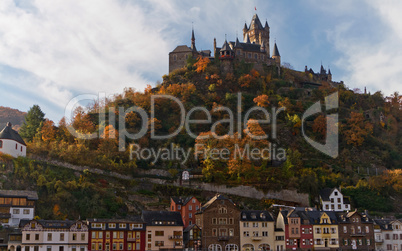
<point x="276" y="55"/>
<point x="330" y="76"/>
<point x="256" y="32"/>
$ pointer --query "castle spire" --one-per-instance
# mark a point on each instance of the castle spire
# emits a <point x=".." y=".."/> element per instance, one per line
<point x="193" y="40"/>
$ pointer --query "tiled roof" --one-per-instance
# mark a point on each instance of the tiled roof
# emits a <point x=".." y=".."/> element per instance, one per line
<point x="30" y="195"/>
<point x="325" y="193"/>
<point x="182" y="48"/>
<point x="61" y="224"/>
<point x="276" y="51"/>
<point x="9" y="133"/>
<point x="181" y="201"/>
<point x="315" y="217"/>
<point x="247" y="46"/>
<point x="162" y="218"/>
<point x="257" y="22"/>
<point x="187" y="229"/>
<point x="255" y="215"/>
<point x="216" y="197"/>
<point x="135" y="220"/>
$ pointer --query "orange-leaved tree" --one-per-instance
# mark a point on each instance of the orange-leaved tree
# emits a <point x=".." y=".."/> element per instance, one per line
<point x="356" y="129"/>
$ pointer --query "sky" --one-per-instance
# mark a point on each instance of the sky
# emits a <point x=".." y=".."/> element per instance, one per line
<point x="54" y="50"/>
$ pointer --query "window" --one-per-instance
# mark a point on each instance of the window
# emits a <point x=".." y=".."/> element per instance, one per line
<point x="1" y="143"/>
<point x="345" y="229"/>
<point x="114" y="246"/>
<point x="26" y="211"/>
<point x="100" y="235"/>
<point x="327" y="207"/>
<point x="222" y="221"/>
<point x="245" y="224"/>
<point x="62" y="236"/>
<point x="114" y="235"/>
<point x="255" y="224"/>
<point x="122" y="225"/>
<point x="100" y="246"/>
<point x="159" y="243"/>
<point x="190" y="215"/>
<point x="61" y="248"/>
<point x="387" y="236"/>
<point x="264" y="224"/>
<point x="27" y="237"/>
<point x="121" y="235"/>
<point x="179" y="207"/>
<point x="26" y="248"/>
<point x="246" y="234"/>
<point x="121" y="246"/>
<point x="231" y="220"/>
<point x="83" y="237"/>
<point x="255" y="233"/>
<point x="333" y="230"/>
<point x="73" y="248"/>
<point x="336" y="193"/>
<point x="332" y="200"/>
<point x="367" y="229"/>
<point x="197" y="207"/>
<point x="93" y="235"/>
<point x="231" y="232"/>
<point x="75" y="236"/>
<point x="265" y="233"/>
<point x="49" y="236"/>
<point x="214" y="232"/>
<point x="339" y="206"/>
<point x="395" y="237"/>
<point x="190" y="207"/>
<point x="112" y="225"/>
<point x="223" y="210"/>
<point x="36" y="248"/>
<point x="159" y="233"/>
<point x="16" y="211"/>
<point x="389" y="247"/>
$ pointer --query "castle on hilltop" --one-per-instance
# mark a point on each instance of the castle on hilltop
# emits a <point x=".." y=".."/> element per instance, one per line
<point x="255" y="48"/>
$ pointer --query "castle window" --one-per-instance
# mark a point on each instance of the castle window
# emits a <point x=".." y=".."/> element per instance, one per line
<point x="174" y="58"/>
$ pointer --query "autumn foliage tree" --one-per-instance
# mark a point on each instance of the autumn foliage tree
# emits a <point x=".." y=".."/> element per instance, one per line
<point x="356" y="129"/>
<point x="262" y="100"/>
<point x="201" y="64"/>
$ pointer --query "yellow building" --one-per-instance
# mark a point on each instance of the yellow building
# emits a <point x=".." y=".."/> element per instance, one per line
<point x="257" y="230"/>
<point x="325" y="230"/>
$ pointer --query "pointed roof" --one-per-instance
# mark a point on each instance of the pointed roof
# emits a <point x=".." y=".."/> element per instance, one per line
<point x="225" y="46"/>
<point x="276" y="51"/>
<point x="237" y="44"/>
<point x="192" y="35"/>
<point x="329" y="73"/>
<point x="9" y="133"/>
<point x="181" y="200"/>
<point x="257" y="22"/>
<point x="326" y="192"/>
<point x="245" y="27"/>
<point x="248" y="39"/>
<point x="266" y="24"/>
<point x="193" y="41"/>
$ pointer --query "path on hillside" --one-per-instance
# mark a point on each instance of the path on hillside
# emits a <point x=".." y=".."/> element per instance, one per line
<point x="245" y="191"/>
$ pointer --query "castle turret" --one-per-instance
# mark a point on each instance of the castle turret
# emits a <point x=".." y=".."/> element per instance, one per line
<point x="276" y="55"/>
<point x="329" y="75"/>
<point x="226" y="51"/>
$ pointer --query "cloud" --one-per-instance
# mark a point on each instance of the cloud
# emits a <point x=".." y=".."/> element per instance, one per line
<point x="371" y="52"/>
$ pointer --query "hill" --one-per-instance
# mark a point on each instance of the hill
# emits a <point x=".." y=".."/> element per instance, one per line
<point x="369" y="160"/>
<point x="14" y="116"/>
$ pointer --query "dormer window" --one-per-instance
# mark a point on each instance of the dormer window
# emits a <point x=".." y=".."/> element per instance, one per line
<point x="262" y="216"/>
<point x="244" y="216"/>
<point x="253" y="216"/>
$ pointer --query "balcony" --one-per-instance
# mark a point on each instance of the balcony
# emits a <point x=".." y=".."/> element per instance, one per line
<point x="256" y="238"/>
<point x="223" y="238"/>
<point x="175" y="237"/>
<point x="379" y="240"/>
<point x="361" y="234"/>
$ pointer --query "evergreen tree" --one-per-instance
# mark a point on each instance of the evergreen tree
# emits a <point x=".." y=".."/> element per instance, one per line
<point x="33" y="123"/>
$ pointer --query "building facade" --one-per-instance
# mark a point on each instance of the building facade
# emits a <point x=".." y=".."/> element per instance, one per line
<point x="219" y="221"/>
<point x="356" y="231"/>
<point x="388" y="234"/>
<point x="54" y="235"/>
<point x="187" y="207"/>
<point x="257" y="230"/>
<point x="325" y="230"/>
<point x="164" y="230"/>
<point x="11" y="142"/>
<point x="17" y="205"/>
<point x="333" y="200"/>
<point x="109" y="234"/>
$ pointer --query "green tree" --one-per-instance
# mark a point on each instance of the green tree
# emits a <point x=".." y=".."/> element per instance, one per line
<point x="33" y="123"/>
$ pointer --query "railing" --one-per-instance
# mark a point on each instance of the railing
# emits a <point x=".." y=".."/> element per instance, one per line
<point x="223" y="238"/>
<point x="175" y="237"/>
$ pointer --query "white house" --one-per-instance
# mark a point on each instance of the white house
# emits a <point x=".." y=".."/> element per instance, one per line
<point x="388" y="234"/>
<point x="11" y="142"/>
<point x="54" y="235"/>
<point x="332" y="200"/>
<point x="17" y="205"/>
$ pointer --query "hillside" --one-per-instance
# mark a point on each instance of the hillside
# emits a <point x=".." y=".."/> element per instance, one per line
<point x="14" y="116"/>
<point x="368" y="167"/>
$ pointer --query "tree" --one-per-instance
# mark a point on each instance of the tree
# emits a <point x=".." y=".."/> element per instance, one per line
<point x="33" y="123"/>
<point x="262" y="100"/>
<point x="201" y="64"/>
<point x="357" y="129"/>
